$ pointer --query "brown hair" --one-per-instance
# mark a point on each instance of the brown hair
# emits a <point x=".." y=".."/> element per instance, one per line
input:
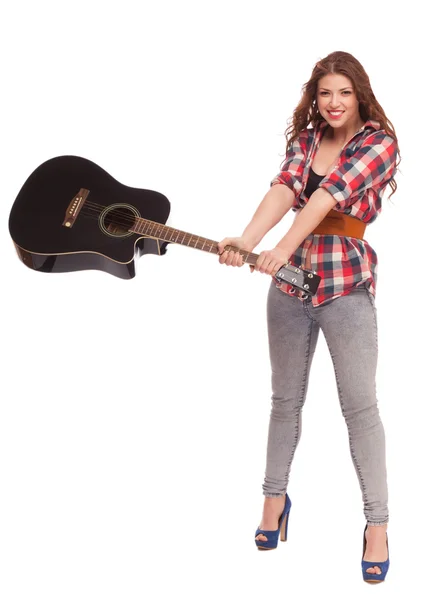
<point x="307" y="110"/>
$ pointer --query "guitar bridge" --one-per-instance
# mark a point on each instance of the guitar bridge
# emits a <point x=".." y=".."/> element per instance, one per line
<point x="75" y="205"/>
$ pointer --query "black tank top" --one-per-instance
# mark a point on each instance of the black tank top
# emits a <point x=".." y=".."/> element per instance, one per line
<point x="312" y="183"/>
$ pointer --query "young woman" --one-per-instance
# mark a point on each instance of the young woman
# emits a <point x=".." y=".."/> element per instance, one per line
<point x="334" y="176"/>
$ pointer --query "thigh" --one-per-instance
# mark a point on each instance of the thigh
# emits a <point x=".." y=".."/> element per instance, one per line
<point x="349" y="324"/>
<point x="292" y="337"/>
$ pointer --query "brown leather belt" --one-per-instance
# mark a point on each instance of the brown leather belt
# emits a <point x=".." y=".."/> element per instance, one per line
<point x="337" y="223"/>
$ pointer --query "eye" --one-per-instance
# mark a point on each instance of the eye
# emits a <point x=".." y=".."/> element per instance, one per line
<point x="344" y="92"/>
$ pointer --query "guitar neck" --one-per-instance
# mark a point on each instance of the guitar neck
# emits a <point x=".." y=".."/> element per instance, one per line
<point x="176" y="236"/>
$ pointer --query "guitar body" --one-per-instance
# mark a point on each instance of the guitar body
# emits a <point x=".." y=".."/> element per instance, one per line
<point x="99" y="237"/>
<point x="71" y="215"/>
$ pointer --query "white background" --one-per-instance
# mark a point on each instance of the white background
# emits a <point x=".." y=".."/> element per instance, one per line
<point x="134" y="414"/>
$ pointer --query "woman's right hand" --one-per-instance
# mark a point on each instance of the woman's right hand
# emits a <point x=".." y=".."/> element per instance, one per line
<point x="230" y="257"/>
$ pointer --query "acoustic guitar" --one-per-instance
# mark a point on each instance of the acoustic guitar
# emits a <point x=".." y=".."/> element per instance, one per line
<point x="71" y="215"/>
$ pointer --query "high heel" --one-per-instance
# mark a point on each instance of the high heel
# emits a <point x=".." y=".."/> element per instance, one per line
<point x="272" y="537"/>
<point x="366" y="564"/>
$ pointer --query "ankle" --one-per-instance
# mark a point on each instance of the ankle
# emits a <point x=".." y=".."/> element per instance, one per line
<point x="376" y="529"/>
<point x="275" y="499"/>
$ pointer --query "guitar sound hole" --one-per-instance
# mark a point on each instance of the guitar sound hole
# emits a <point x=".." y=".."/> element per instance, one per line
<point x="116" y="220"/>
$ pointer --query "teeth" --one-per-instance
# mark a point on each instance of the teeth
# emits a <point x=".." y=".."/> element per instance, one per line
<point x="335" y="112"/>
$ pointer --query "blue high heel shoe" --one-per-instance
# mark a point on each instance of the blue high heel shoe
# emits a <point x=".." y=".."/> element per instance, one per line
<point x="272" y="537"/>
<point x="365" y="564"/>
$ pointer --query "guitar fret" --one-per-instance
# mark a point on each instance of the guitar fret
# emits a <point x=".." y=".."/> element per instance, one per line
<point x="170" y="234"/>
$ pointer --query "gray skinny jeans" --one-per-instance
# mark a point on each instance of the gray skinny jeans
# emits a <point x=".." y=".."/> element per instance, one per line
<point x="349" y="324"/>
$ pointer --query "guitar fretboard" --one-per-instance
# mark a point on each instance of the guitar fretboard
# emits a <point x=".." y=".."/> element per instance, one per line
<point x="176" y="236"/>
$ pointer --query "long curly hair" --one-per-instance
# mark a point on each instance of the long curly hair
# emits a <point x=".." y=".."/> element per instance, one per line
<point x="307" y="110"/>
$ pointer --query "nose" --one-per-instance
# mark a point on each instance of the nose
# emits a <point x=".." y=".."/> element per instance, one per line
<point x="334" y="102"/>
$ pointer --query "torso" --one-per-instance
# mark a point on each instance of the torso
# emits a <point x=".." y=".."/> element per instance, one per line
<point x="326" y="157"/>
<point x="327" y="154"/>
<point x="325" y="160"/>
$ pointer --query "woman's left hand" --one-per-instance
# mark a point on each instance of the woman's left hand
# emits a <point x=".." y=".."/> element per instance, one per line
<point x="270" y="261"/>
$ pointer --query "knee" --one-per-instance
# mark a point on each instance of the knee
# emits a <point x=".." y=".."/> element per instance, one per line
<point x="286" y="405"/>
<point x="363" y="415"/>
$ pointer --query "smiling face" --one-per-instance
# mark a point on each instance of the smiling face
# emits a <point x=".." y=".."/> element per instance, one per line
<point x="337" y="102"/>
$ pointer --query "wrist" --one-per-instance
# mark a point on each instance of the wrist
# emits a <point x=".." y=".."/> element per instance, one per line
<point x="284" y="248"/>
<point x="250" y="242"/>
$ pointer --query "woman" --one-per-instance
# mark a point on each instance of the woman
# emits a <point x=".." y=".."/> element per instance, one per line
<point x="334" y="176"/>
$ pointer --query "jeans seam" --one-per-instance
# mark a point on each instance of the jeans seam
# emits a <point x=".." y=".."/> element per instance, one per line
<point x="360" y="477"/>
<point x="374" y="312"/>
<point x="308" y="313"/>
<point x="302" y="399"/>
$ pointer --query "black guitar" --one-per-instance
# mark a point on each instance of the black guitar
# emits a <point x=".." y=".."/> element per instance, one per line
<point x="71" y="215"/>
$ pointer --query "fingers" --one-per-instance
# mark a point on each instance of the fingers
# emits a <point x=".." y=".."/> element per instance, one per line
<point x="233" y="259"/>
<point x="268" y="268"/>
<point x="221" y="245"/>
<point x="267" y="265"/>
<point x="229" y="257"/>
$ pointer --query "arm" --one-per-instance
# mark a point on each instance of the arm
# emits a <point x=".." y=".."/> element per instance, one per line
<point x="284" y="191"/>
<point x="372" y="166"/>
<point x="283" y="194"/>
<point x="317" y="207"/>
<point x="275" y="204"/>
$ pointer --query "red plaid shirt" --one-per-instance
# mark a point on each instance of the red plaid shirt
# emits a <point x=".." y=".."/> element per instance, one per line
<point x="365" y="166"/>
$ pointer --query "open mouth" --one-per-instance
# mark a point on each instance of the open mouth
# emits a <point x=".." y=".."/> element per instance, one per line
<point x="335" y="114"/>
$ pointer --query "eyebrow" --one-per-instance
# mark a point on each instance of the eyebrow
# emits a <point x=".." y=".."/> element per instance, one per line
<point x="345" y="88"/>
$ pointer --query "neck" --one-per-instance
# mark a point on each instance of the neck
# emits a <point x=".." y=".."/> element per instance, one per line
<point x="344" y="134"/>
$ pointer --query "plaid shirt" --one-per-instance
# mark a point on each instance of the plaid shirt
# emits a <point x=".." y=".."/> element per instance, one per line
<point x="365" y="166"/>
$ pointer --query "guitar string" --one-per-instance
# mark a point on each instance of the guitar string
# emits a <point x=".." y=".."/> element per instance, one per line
<point x="94" y="217"/>
<point x="97" y="210"/>
<point x="129" y="221"/>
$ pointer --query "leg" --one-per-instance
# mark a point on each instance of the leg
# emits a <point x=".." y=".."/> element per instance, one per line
<point x="349" y="325"/>
<point x="292" y="337"/>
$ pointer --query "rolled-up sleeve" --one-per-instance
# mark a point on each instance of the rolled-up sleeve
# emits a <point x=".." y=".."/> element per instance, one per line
<point x="292" y="169"/>
<point x="372" y="166"/>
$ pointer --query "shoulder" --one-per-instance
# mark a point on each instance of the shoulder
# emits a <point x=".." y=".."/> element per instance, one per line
<point x="375" y="136"/>
<point x="304" y="140"/>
